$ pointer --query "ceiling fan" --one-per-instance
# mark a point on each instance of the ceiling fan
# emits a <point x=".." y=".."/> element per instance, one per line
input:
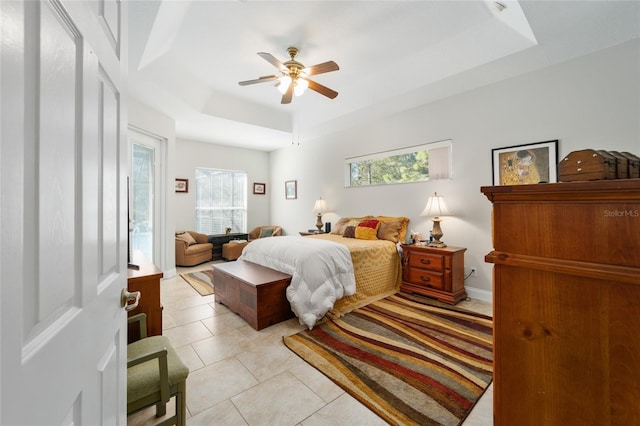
<point x="293" y="76"/>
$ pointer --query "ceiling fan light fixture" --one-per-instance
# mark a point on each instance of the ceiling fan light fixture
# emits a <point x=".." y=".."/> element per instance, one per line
<point x="292" y="79"/>
<point x="285" y="81"/>
<point x="300" y="86"/>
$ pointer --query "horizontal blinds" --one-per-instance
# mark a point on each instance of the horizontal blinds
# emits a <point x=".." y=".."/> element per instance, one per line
<point x="221" y="201"/>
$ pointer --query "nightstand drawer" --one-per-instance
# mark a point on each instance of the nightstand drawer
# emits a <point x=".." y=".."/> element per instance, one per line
<point x="433" y="262"/>
<point x="425" y="278"/>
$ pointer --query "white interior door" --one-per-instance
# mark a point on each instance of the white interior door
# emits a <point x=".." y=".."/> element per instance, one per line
<point x="63" y="213"/>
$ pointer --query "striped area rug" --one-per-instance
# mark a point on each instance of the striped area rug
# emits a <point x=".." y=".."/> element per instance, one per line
<point x="411" y="360"/>
<point x="201" y="281"/>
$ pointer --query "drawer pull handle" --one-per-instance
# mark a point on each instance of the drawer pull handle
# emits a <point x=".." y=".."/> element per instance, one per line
<point x="425" y="279"/>
<point x="425" y="261"/>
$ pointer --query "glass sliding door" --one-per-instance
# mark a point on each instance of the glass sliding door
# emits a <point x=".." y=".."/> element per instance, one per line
<point x="144" y="198"/>
<point x="142" y="219"/>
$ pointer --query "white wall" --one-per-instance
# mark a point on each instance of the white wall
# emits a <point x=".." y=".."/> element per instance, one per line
<point x="191" y="155"/>
<point x="151" y="121"/>
<point x="589" y="102"/>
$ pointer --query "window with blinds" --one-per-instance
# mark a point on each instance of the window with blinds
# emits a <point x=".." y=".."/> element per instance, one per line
<point x="221" y="201"/>
<point x="413" y="164"/>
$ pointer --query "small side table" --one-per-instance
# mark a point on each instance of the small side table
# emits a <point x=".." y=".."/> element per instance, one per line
<point x="434" y="272"/>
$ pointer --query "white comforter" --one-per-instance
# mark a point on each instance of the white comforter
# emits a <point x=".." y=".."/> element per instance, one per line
<point x="321" y="271"/>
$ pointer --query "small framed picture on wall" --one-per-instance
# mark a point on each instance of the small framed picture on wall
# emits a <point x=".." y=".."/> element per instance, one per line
<point x="291" y="189"/>
<point x="182" y="185"/>
<point x="260" y="188"/>
<point x="525" y="164"/>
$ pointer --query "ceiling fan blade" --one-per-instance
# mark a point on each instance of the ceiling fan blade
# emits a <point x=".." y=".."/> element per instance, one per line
<point x="258" y="80"/>
<point x="322" y="68"/>
<point x="273" y="61"/>
<point x="323" y="90"/>
<point x="288" y="95"/>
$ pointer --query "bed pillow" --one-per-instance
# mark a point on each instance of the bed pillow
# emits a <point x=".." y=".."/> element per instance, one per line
<point x="404" y="221"/>
<point x="266" y="232"/>
<point x="342" y="223"/>
<point x="390" y="231"/>
<point x="367" y="229"/>
<point x="186" y="237"/>
<point x="349" y="232"/>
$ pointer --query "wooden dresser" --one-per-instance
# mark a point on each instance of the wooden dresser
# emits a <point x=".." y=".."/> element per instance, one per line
<point x="566" y="301"/>
<point x="146" y="280"/>
<point x="434" y="272"/>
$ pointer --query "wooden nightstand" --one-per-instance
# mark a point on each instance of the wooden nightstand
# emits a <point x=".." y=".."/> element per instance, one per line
<point x="434" y="272"/>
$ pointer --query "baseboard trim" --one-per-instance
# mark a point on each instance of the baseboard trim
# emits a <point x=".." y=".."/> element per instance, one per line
<point x="170" y="273"/>
<point x="479" y="294"/>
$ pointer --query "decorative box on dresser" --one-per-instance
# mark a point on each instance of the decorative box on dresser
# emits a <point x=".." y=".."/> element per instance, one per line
<point x="566" y="301"/>
<point x="434" y="272"/>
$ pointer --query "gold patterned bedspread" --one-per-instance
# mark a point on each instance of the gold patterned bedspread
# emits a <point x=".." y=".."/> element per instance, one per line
<point x="377" y="269"/>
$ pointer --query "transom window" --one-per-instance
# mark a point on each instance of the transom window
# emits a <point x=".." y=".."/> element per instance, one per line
<point x="413" y="164"/>
<point x="221" y="201"/>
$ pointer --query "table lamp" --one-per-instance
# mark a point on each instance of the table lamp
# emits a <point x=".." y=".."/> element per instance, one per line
<point x="436" y="208"/>
<point x="319" y="208"/>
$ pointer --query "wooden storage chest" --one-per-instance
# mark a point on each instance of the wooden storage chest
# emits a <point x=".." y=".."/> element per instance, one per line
<point x="633" y="162"/>
<point x="255" y="292"/>
<point x="622" y="165"/>
<point x="587" y="164"/>
<point x="566" y="295"/>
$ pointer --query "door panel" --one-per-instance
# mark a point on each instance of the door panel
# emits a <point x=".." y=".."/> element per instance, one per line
<point x="109" y="153"/>
<point x="54" y="173"/>
<point x="63" y="215"/>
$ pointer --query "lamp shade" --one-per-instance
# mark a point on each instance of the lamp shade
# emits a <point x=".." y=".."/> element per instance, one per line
<point x="285" y="81"/>
<point x="320" y="206"/>
<point x="435" y="207"/>
<point x="300" y="87"/>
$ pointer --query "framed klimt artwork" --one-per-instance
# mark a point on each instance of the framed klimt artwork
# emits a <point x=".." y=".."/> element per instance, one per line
<point x="182" y="185"/>
<point x="291" y="189"/>
<point x="525" y="164"/>
<point x="260" y="188"/>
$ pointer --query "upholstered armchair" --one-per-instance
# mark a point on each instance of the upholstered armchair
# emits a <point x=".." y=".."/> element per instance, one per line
<point x="155" y="373"/>
<point x="192" y="248"/>
<point x="265" y="231"/>
<point x="232" y="250"/>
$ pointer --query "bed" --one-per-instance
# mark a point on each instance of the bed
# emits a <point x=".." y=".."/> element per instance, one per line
<point x="332" y="274"/>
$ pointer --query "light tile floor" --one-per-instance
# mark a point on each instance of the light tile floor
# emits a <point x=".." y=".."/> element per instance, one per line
<point x="239" y="376"/>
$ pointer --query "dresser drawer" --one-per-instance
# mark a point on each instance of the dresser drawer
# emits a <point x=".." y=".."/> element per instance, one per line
<point x="431" y="261"/>
<point x="425" y="278"/>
